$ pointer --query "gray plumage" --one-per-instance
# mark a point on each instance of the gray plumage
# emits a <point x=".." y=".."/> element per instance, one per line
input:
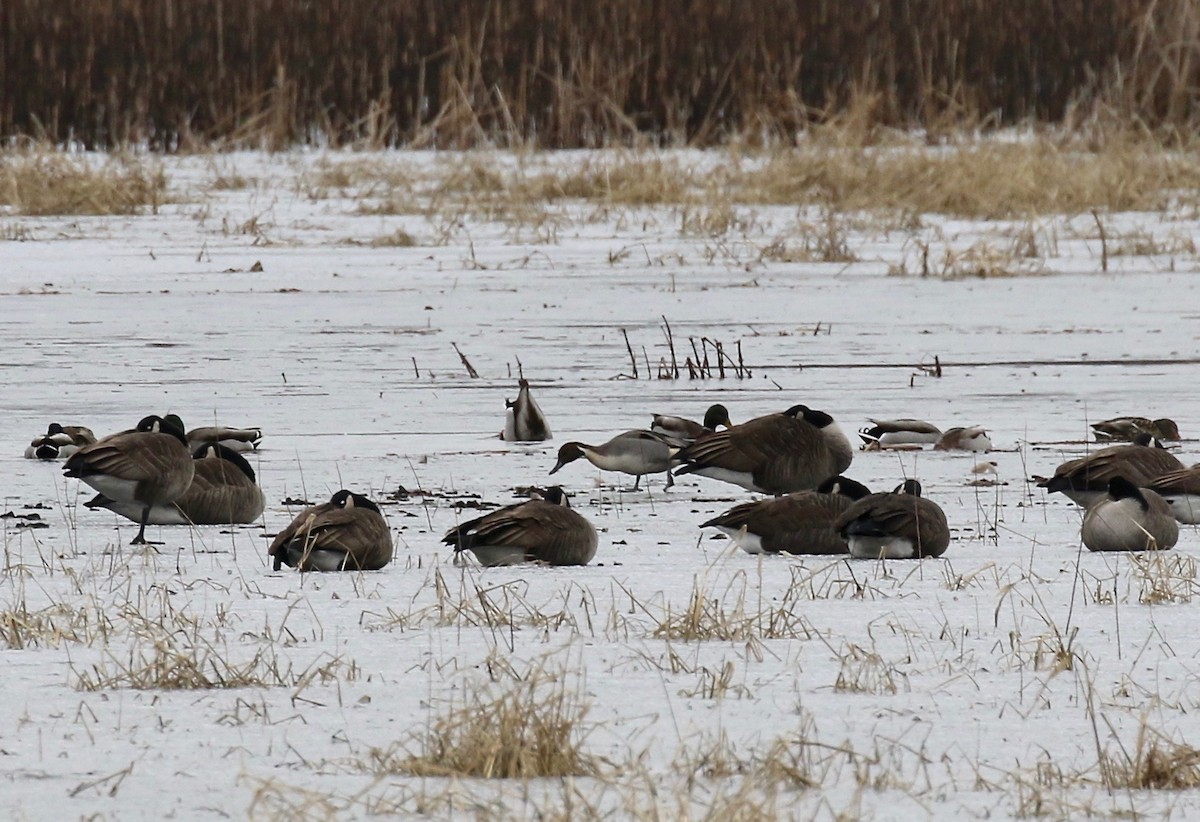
<point x="685" y="431"/>
<point x="1128" y="428"/>
<point x="235" y="439"/>
<point x="539" y="530"/>
<point x="523" y="419"/>
<point x="900" y="432"/>
<point x="1128" y="518"/>
<point x="634" y="452"/>
<point x="59" y="441"/>
<point x="348" y="533"/>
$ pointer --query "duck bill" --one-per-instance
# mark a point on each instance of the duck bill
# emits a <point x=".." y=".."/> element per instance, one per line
<point x="556" y="467"/>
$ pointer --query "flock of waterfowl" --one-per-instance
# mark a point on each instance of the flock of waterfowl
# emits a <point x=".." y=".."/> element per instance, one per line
<point x="1134" y="493"/>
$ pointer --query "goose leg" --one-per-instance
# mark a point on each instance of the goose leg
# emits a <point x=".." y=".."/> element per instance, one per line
<point x="637" y="480"/>
<point x="140" y="539"/>
<point x="670" y="478"/>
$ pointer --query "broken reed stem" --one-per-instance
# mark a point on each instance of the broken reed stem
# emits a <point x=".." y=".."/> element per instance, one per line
<point x="629" y="348"/>
<point x="1103" y="241"/>
<point x="671" y="346"/>
<point x="471" y="372"/>
<point x="416" y="371"/>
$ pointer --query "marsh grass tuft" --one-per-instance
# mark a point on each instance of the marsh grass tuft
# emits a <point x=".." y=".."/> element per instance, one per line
<point x="44" y="182"/>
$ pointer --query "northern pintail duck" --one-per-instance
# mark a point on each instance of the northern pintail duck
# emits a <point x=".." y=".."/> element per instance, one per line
<point x="59" y="441"/>
<point x="899" y="433"/>
<point x="1127" y="429"/>
<point x="1128" y="518"/>
<point x="686" y="431"/>
<point x="147" y="467"/>
<point x="523" y="419"/>
<point x="235" y="439"/>
<point x="897" y="525"/>
<point x="1085" y="480"/>
<point x="775" y="454"/>
<point x="223" y="492"/>
<point x="969" y="438"/>
<point x="1181" y="490"/>
<point x="634" y="452"/>
<point x="799" y="523"/>
<point x="538" y="530"/>
<point x="348" y="533"/>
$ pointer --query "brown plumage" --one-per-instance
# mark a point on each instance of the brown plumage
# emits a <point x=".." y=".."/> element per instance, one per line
<point x="685" y="431"/>
<point x="799" y="523"/>
<point x="1127" y="428"/>
<point x="348" y="533"/>
<point x="1181" y="490"/>
<point x="896" y="525"/>
<point x="1085" y="480"/>
<point x="542" y="530"/>
<point x="775" y="454"/>
<point x="147" y="467"/>
<point x="223" y="492"/>
<point x="235" y="439"/>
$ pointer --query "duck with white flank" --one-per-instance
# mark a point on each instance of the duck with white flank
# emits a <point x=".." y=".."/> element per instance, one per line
<point x="223" y="492"/>
<point x="897" y="525"/>
<point x="1128" y="518"/>
<point x="971" y="438"/>
<point x="636" y="453"/>
<point x="900" y="433"/>
<point x="686" y="431"/>
<point x="348" y="533"/>
<point x="775" y="454"/>
<point x="799" y="523"/>
<point x="235" y="439"/>
<point x="59" y="441"/>
<point x="147" y="467"/>
<point x="538" y="530"/>
<point x="1085" y="480"/>
<point x="523" y="419"/>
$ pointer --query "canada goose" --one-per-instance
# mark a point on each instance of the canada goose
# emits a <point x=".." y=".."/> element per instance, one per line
<point x="1181" y="490"/>
<point x="1127" y="428"/>
<point x="235" y="439"/>
<point x="634" y="452"/>
<point x="59" y="441"/>
<point x="1085" y="480"/>
<point x="901" y="432"/>
<point x="686" y="431"/>
<point x="972" y="438"/>
<point x="348" y="533"/>
<point x="145" y="467"/>
<point x="899" y="525"/>
<point x="524" y="421"/>
<point x="1127" y="518"/>
<point x="223" y="492"/>
<point x="538" y="530"/>
<point x="775" y="454"/>
<point x="799" y="523"/>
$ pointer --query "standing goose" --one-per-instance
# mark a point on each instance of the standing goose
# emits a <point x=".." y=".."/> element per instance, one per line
<point x="686" y="431"/>
<point x="348" y="533"/>
<point x="59" y="441"/>
<point x="899" y="525"/>
<point x="235" y="439"/>
<point x="972" y="438"/>
<point x="1127" y="428"/>
<point x="799" y="523"/>
<point x="1085" y="480"/>
<point x="524" y="420"/>
<point x="1127" y="518"/>
<point x="899" y="433"/>
<point x="145" y="467"/>
<point x="539" y="530"/>
<point x="223" y="492"/>
<point x="775" y="454"/>
<point x="635" y="453"/>
<point x="1181" y="490"/>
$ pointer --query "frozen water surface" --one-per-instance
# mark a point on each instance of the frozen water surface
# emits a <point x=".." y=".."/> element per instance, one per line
<point x="989" y="683"/>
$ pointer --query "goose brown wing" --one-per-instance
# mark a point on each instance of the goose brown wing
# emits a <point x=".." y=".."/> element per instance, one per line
<point x="1183" y="481"/>
<point x="136" y="456"/>
<point x="746" y="447"/>
<point x="524" y="525"/>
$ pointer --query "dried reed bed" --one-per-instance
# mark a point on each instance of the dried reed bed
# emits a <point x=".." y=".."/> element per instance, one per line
<point x="43" y="182"/>
<point x="277" y="72"/>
